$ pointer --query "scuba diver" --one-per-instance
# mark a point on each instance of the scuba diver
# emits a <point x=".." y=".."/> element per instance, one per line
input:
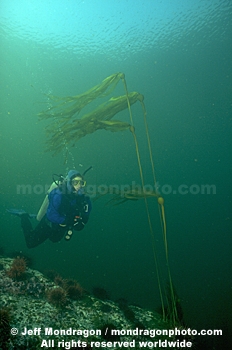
<point x="65" y="209"/>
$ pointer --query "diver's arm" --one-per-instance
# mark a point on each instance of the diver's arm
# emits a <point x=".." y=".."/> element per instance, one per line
<point x="86" y="210"/>
<point x="81" y="221"/>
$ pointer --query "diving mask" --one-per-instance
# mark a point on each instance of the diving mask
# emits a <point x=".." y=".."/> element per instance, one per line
<point x="78" y="182"/>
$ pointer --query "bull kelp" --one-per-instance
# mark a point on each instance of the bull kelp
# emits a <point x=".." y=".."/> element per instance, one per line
<point x="67" y="127"/>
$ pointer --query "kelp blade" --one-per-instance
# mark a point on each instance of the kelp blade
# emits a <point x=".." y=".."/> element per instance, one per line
<point x="73" y="129"/>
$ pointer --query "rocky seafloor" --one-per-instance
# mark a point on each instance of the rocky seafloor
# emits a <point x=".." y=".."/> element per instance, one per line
<point x="30" y="319"/>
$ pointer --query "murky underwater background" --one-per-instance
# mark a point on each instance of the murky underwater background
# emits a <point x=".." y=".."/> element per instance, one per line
<point x="178" y="55"/>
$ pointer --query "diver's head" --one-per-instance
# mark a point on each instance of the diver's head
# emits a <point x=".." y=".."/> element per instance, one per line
<point x="75" y="182"/>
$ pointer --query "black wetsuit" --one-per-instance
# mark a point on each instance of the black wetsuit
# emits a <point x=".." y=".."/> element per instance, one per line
<point x="72" y="211"/>
<point x="42" y="231"/>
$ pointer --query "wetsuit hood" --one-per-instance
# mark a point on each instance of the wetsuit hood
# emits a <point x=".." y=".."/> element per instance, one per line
<point x="71" y="175"/>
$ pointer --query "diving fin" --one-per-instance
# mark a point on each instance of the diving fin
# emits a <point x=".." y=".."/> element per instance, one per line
<point x="20" y="212"/>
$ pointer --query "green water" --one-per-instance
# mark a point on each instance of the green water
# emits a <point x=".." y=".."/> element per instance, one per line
<point x="185" y="77"/>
